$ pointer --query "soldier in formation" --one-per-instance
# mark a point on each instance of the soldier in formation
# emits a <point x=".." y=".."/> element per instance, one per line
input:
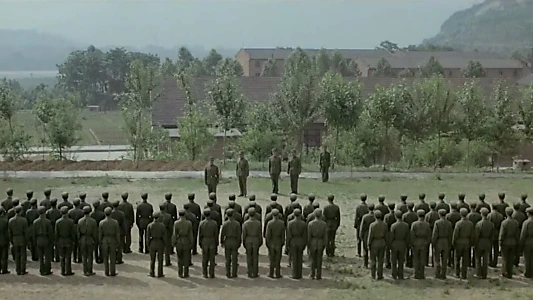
<point x="182" y="240"/>
<point x="156" y="235"/>
<point x="274" y="169"/>
<point x="324" y="163"/>
<point x="242" y="172"/>
<point x="211" y="176"/>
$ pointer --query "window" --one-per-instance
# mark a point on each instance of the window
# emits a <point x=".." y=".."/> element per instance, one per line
<point x="257" y="64"/>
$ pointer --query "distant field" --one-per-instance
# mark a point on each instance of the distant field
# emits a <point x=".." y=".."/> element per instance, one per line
<point x="28" y="74"/>
<point x="99" y="128"/>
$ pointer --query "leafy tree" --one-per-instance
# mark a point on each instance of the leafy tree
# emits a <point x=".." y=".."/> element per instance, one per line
<point x="389" y="46"/>
<point x="229" y="66"/>
<point x="406" y="73"/>
<point x="14" y="141"/>
<point x="474" y="69"/>
<point x="323" y="62"/>
<point x="211" y="61"/>
<point x="169" y="68"/>
<point x="432" y="68"/>
<point x="384" y="69"/>
<point x="228" y="102"/>
<point x="428" y="47"/>
<point x="195" y="137"/>
<point x="296" y="98"/>
<point x="270" y="68"/>
<point x="525" y="110"/>
<point x="185" y="59"/>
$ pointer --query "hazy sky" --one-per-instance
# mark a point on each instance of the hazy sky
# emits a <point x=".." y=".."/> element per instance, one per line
<point x="234" y="24"/>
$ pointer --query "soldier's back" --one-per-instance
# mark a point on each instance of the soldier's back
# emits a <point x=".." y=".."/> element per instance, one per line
<point x="53" y="214"/>
<point x="316" y="231"/>
<point x="98" y="216"/>
<point x="157" y="232"/>
<point x="422" y="206"/>
<point x="443" y="205"/>
<point x="474" y="217"/>
<point x="453" y="217"/>
<point x="399" y="235"/>
<point x="410" y="217"/>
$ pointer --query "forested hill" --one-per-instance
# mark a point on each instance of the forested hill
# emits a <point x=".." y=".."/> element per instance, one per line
<point x="502" y="26"/>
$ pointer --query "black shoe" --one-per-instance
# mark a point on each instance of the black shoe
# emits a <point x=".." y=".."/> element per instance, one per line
<point x="90" y="274"/>
<point x="5" y="272"/>
<point x="160" y="276"/>
<point x="69" y="274"/>
<point x="205" y="276"/>
<point x="151" y="275"/>
<point x="241" y="195"/>
<point x="168" y="265"/>
<point x="113" y="274"/>
<point x="119" y="262"/>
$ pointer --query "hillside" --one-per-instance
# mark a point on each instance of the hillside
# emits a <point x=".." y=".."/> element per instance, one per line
<point x="502" y="26"/>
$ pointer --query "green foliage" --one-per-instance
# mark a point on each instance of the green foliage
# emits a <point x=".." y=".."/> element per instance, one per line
<point x="326" y="61"/>
<point x="474" y="69"/>
<point x="211" y="61"/>
<point x="169" y="68"/>
<point x="432" y="68"/>
<point x="270" y="68"/>
<point x="229" y="66"/>
<point x="475" y="153"/>
<point x="437" y="151"/>
<point x="473" y="113"/>
<point x="384" y="69"/>
<point x="259" y="142"/>
<point x="525" y="110"/>
<point x="389" y="46"/>
<point x="342" y="101"/>
<point x="14" y="142"/>
<point x="195" y="138"/>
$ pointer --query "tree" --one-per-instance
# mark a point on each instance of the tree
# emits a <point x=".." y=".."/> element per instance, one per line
<point x="211" y="61"/>
<point x="474" y="69"/>
<point x="384" y="69"/>
<point x="169" y="68"/>
<point x="195" y="137"/>
<point x="342" y="103"/>
<point x="14" y="141"/>
<point x="323" y="62"/>
<point x="58" y="120"/>
<point x="185" y="58"/>
<point x="270" y="68"/>
<point x="228" y="102"/>
<point x="389" y="46"/>
<point x="432" y="68"/>
<point x="406" y="73"/>
<point x="229" y="66"/>
<point x="525" y="110"/>
<point x="296" y="98"/>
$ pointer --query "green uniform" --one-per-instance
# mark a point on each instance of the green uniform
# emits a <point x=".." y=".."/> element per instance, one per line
<point x="325" y="163"/>
<point x="242" y="171"/>
<point x="389" y="219"/>
<point x="431" y="218"/>
<point x="462" y="240"/>
<point x="294" y="169"/>
<point x="46" y="202"/>
<point x="109" y="237"/>
<point x="442" y="241"/>
<point x="7" y="203"/>
<point x="402" y="206"/>
<point x="156" y="235"/>
<point x="18" y="235"/>
<point x="208" y="238"/>
<point x="65" y="203"/>
<point x="474" y="216"/>
<point x="87" y="237"/>
<point x="76" y="214"/>
<point x="197" y="211"/>
<point x="409" y="217"/>
<point x="274" y="205"/>
<point x="308" y="210"/>
<point x="500" y="207"/>
<point x="422" y="205"/>
<point x="526" y="245"/>
<point x="484" y="234"/>
<point x="182" y="240"/>
<point x="454" y="216"/>
<point x="317" y="238"/>
<point x="98" y="216"/>
<point x="462" y="204"/>
<point x="252" y="240"/>
<point x="143" y="217"/>
<point x="480" y="205"/>
<point x="230" y="239"/>
<point x="420" y="240"/>
<point x="211" y="178"/>
<point x="53" y="214"/>
<point x="65" y="233"/>
<point x="296" y="241"/>
<point x="508" y="237"/>
<point x="120" y="217"/>
<point x="105" y="204"/>
<point x="332" y="215"/>
<point x="32" y="214"/>
<point x="399" y="240"/>
<point x="524" y="206"/>
<point x="166" y="219"/>
<point x="43" y="235"/>
<point x="520" y="217"/>
<point x="364" y="227"/>
<point x="377" y="242"/>
<point x="4" y="244"/>
<point x="360" y="211"/>
<point x="129" y="217"/>
<point x="275" y="239"/>
<point x="383" y="208"/>
<point x="443" y="205"/>
<point x="496" y="219"/>
<point x="274" y="169"/>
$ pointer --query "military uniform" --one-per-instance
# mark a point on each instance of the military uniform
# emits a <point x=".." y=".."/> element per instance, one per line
<point x="65" y="233"/>
<point x="422" y="204"/>
<point x="242" y="171"/>
<point x="524" y="205"/>
<point x="317" y="238"/>
<point x="482" y="204"/>
<point x="399" y="241"/>
<point x="420" y="240"/>
<point x="211" y="177"/>
<point x="274" y="169"/>
<point x="442" y="241"/>
<point x="43" y="235"/>
<point x="409" y="217"/>
<point x="120" y="217"/>
<point x="18" y="235"/>
<point x="4" y="241"/>
<point x="377" y="242"/>
<point x="473" y="216"/>
<point x="519" y="217"/>
<point x="360" y="211"/>
<point x="65" y="202"/>
<point x="332" y="215"/>
<point x="143" y="217"/>
<point x="389" y="219"/>
<point x="196" y="210"/>
<point x="382" y="207"/>
<point x="441" y="204"/>
<point x="296" y="241"/>
<point x="453" y="217"/>
<point x="87" y="237"/>
<point x="508" y="237"/>
<point x="252" y="240"/>
<point x="496" y="219"/>
<point x="98" y="216"/>
<point x="53" y="214"/>
<point x="364" y="227"/>
<point x="76" y="214"/>
<point x="324" y="164"/>
<point x="32" y="214"/>
<point x="208" y="238"/>
<point x="431" y="218"/>
<point x="526" y="244"/>
<point x="7" y="203"/>
<point x="502" y="205"/>
<point x="83" y="203"/>
<point x="129" y="218"/>
<point x="462" y="240"/>
<point x="230" y="239"/>
<point x="483" y="236"/>
<point x="309" y="208"/>
<point x="182" y="240"/>
<point x="275" y="239"/>
<point x="46" y="202"/>
<point x="156" y="235"/>
<point x="294" y="169"/>
<point x="166" y="219"/>
<point x="105" y="203"/>
<point x="109" y="237"/>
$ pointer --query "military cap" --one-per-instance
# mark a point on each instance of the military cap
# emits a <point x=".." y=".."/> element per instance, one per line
<point x="523" y="196"/>
<point x="42" y="210"/>
<point x="442" y="212"/>
<point x="484" y="211"/>
<point x="410" y="205"/>
<point x="297" y="212"/>
<point x="9" y="191"/>
<point x="229" y="212"/>
<point x="318" y="213"/>
<point x="461" y="196"/>
<point x="169" y="195"/>
<point x="275" y="212"/>
<point x="76" y="202"/>
<point x="378" y="214"/>
<point x="156" y="214"/>
<point x="212" y="196"/>
<point x="316" y="205"/>
<point x="191" y="196"/>
<point x="251" y="210"/>
<point x="331" y="197"/>
<point x="107" y="211"/>
<point x="207" y="212"/>
<point x="116" y="204"/>
<point x="398" y="214"/>
<point x="2" y="210"/>
<point x="311" y="197"/>
<point x="231" y="204"/>
<point x="420" y="212"/>
<point x="16" y="201"/>
<point x="252" y="204"/>
<point x="96" y="203"/>
<point x="47" y="191"/>
<point x="274" y="197"/>
<point x="432" y="204"/>
<point x="251" y="197"/>
<point x="391" y="206"/>
<point x="186" y="205"/>
<point x="295" y="204"/>
<point x="124" y="195"/>
<point x="481" y="196"/>
<point x="422" y="196"/>
<point x="18" y="209"/>
<point x="403" y="197"/>
<point x="381" y="198"/>
<point x="232" y="197"/>
<point x="529" y="210"/>
<point x="472" y="206"/>
<point x="441" y="196"/>
<point x="144" y="195"/>
<point x="516" y="206"/>
<point x="33" y="201"/>
<point x="64" y="195"/>
<point x="363" y="197"/>
<point x="453" y="205"/>
<point x="210" y="202"/>
<point x="293" y="197"/>
<point x="181" y="212"/>
<point x="501" y="195"/>
<point x="105" y="195"/>
<point x="371" y="206"/>
<point x="86" y="209"/>
<point x="29" y="193"/>
<point x="53" y="201"/>
<point x="463" y="212"/>
<point x="161" y="206"/>
<point x="64" y="210"/>
<point x="83" y="195"/>
<point x="508" y="211"/>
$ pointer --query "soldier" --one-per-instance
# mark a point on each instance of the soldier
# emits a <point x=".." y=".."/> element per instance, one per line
<point x="399" y="240"/>
<point x="98" y="215"/>
<point x="83" y="203"/>
<point x="46" y="201"/>
<point x="410" y="217"/>
<point x="296" y="241"/>
<point x="76" y="214"/>
<point x="11" y="213"/>
<point x="230" y="239"/>
<point x="166" y="219"/>
<point x="501" y="206"/>
<point x="524" y="205"/>
<point x="441" y="204"/>
<point x="483" y="235"/>
<point x="182" y="239"/>
<point x="481" y="204"/>
<point x="402" y="206"/>
<point x="268" y="217"/>
<point x="389" y="219"/>
<point x="462" y="240"/>
<point x="255" y="215"/>
<point x="4" y="241"/>
<point x="43" y="236"/>
<point x="208" y="237"/>
<point x="431" y="218"/>
<point x="332" y="216"/>
<point x="519" y="217"/>
<point x="87" y="237"/>
<point x="238" y="207"/>
<point x="27" y="204"/>
<point x="526" y="243"/>
<point x="363" y="232"/>
<point x="195" y="209"/>
<point x="309" y="208"/>
<point x="105" y="202"/>
<point x="170" y="208"/>
<point x="65" y="234"/>
<point x="53" y="214"/>
<point x="211" y="176"/>
<point x="120" y="217"/>
<point x="420" y="240"/>
<point x="7" y="203"/>
<point x="442" y="240"/>
<point x="18" y="236"/>
<point x="377" y="243"/>
<point x="382" y="207"/>
<point x="194" y="222"/>
<point x="274" y="169"/>
<point x="215" y="207"/>
<point x="252" y="240"/>
<point x="65" y="202"/>
<point x="294" y="169"/>
<point x="274" y="204"/>
<point x="454" y="216"/>
<point x="275" y="239"/>
<point x="143" y="217"/>
<point x="462" y="203"/>
<point x="496" y="219"/>
<point x="215" y="215"/>
<point x="360" y="211"/>
<point x="422" y="205"/>
<point x="258" y="209"/>
<point x="129" y="218"/>
<point x="474" y="216"/>
<point x="236" y="216"/>
<point x="312" y="215"/>
<point x="289" y="209"/>
<point x="317" y="239"/>
<point x="508" y="238"/>
<point x="242" y="172"/>
<point x="156" y="238"/>
<point x="324" y="163"/>
<point x="32" y="214"/>
<point x="109" y="237"/>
